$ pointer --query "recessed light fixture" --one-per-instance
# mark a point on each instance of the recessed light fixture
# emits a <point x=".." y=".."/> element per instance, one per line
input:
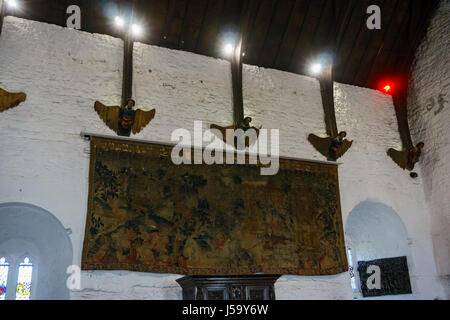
<point x="119" y="21"/>
<point x="12" y="4"/>
<point x="136" y="29"/>
<point x="316" y="68"/>
<point x="228" y="49"/>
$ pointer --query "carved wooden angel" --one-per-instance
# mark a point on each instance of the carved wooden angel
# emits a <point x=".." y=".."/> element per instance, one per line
<point x="124" y="120"/>
<point x="331" y="148"/>
<point x="10" y="100"/>
<point x="406" y="158"/>
<point x="245" y="126"/>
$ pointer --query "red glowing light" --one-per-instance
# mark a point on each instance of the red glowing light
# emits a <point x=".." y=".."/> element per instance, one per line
<point x="387" y="88"/>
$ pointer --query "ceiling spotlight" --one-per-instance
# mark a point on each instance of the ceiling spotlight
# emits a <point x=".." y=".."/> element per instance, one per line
<point x="316" y="68"/>
<point x="119" y="22"/>
<point x="11" y="4"/>
<point x="228" y="49"/>
<point x="136" y="29"/>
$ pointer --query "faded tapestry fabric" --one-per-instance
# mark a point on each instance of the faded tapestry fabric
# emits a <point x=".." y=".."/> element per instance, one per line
<point x="147" y="214"/>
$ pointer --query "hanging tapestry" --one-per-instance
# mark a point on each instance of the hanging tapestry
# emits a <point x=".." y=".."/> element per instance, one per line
<point x="147" y="214"/>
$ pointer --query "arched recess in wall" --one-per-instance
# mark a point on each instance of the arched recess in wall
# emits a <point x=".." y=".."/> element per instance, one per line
<point x="375" y="231"/>
<point x="34" y="233"/>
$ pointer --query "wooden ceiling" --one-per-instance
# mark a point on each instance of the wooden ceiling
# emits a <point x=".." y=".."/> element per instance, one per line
<point x="281" y="34"/>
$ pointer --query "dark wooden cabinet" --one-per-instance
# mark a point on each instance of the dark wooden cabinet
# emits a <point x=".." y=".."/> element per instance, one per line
<point x="251" y="287"/>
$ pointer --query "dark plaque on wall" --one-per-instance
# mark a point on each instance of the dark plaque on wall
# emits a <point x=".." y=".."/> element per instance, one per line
<point x="251" y="287"/>
<point x="393" y="277"/>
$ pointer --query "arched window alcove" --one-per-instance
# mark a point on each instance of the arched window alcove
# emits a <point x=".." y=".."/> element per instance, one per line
<point x="36" y="250"/>
<point x="374" y="231"/>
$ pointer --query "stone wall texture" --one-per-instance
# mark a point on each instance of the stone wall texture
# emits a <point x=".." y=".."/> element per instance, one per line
<point x="429" y="116"/>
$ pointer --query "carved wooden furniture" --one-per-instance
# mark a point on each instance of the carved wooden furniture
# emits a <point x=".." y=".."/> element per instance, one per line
<point x="251" y="287"/>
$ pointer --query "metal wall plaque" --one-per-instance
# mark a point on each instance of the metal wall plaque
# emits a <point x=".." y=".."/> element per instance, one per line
<point x="393" y="277"/>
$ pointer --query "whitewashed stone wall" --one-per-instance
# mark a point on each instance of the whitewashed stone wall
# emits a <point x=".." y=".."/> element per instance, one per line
<point x="64" y="71"/>
<point x="429" y="117"/>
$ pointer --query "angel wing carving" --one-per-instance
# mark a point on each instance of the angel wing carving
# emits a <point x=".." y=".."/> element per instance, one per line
<point x="223" y="130"/>
<point x="10" y="100"/>
<point x="323" y="146"/>
<point x="123" y="121"/>
<point x="399" y="157"/>
<point x="407" y="157"/>
<point x="142" y="119"/>
<point x="109" y="115"/>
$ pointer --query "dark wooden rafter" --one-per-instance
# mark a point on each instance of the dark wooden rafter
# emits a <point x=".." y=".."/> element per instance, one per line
<point x="153" y="15"/>
<point x="192" y="24"/>
<point x="127" y="78"/>
<point x="174" y="23"/>
<point x="347" y="36"/>
<point x="209" y="29"/>
<point x="281" y="11"/>
<point x="362" y="44"/>
<point x="323" y="33"/>
<point x="399" y="62"/>
<point x="258" y="29"/>
<point x="327" y="78"/>
<point x="247" y="8"/>
<point x="396" y="48"/>
<point x="128" y="45"/>
<point x="291" y="35"/>
<point x="327" y="92"/>
<point x="398" y="52"/>
<point x="279" y="31"/>
<point x="300" y="56"/>
<point x="400" y="95"/>
<point x="2" y="15"/>
<point x="284" y="34"/>
<point x="236" y="78"/>
<point x="354" y="50"/>
<point x="374" y="47"/>
<point x="400" y="99"/>
<point x="380" y="62"/>
<point x="338" y="16"/>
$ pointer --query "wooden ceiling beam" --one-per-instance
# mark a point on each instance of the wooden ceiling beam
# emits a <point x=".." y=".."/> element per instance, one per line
<point x="292" y="34"/>
<point x="247" y="8"/>
<point x="415" y="35"/>
<point x="346" y="13"/>
<point x="284" y="34"/>
<point x="152" y="15"/>
<point x="127" y="76"/>
<point x="193" y="22"/>
<point x="2" y="14"/>
<point x="349" y="40"/>
<point x="281" y="13"/>
<point x="361" y="45"/>
<point x="321" y="39"/>
<point x="378" y="68"/>
<point x="300" y="59"/>
<point x="174" y="22"/>
<point x="334" y="15"/>
<point x="259" y="31"/>
<point x="387" y="10"/>
<point x="209" y="41"/>
<point x="398" y="47"/>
